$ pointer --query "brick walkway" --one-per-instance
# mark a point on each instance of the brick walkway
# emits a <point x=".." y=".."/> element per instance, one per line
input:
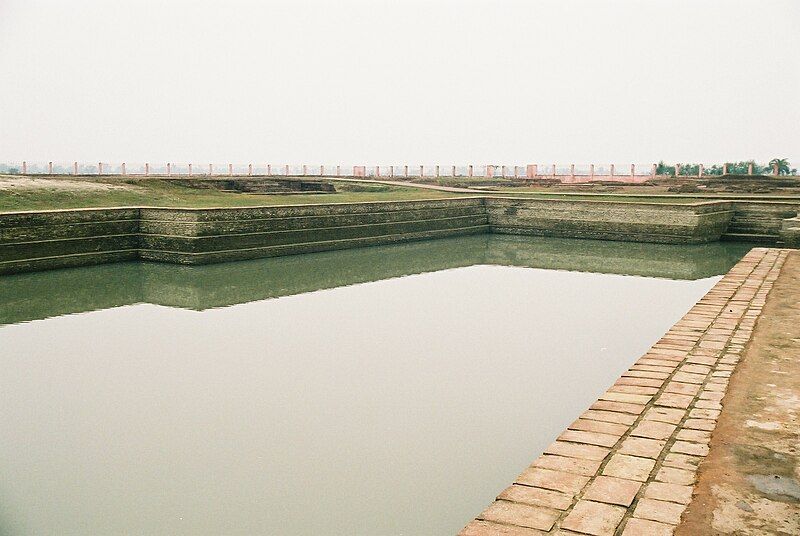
<point x="627" y="466"/>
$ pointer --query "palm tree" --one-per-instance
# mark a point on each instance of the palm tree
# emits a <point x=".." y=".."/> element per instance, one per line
<point x="782" y="165"/>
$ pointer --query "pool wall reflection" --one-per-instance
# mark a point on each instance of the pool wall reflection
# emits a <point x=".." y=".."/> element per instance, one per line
<point x="25" y="297"/>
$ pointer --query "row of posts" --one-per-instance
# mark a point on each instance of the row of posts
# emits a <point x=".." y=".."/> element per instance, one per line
<point x="531" y="170"/>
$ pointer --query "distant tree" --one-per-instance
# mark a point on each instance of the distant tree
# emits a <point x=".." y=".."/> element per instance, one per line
<point x="783" y="165"/>
<point x="664" y="169"/>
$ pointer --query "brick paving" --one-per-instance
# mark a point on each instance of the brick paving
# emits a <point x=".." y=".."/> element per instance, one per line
<point x="627" y="466"/>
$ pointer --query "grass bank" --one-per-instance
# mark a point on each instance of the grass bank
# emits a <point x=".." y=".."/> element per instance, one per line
<point x="44" y="194"/>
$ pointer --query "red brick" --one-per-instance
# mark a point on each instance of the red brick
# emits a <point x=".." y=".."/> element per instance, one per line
<point x="577" y="450"/>
<point x="695" y="449"/>
<point x="568" y="465"/>
<point x="654" y="510"/>
<point x="644" y="527"/>
<point x="682" y="388"/>
<point x="622" y="407"/>
<point x="588" y="438"/>
<point x="668" y="492"/>
<point x="654" y="429"/>
<point x="521" y="515"/>
<point x="609" y="416"/>
<point x="673" y="475"/>
<point x="594" y="518"/>
<point x="554" y="480"/>
<point x="670" y="415"/>
<point x="612" y="490"/>
<point x="598" y="426"/>
<point x="536" y="497"/>
<point x="486" y="528"/>
<point x="639" y="446"/>
<point x="630" y="467"/>
<point x="697" y="436"/>
<point x="674" y="400"/>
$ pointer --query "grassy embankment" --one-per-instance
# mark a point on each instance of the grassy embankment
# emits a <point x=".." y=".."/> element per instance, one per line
<point x="157" y="193"/>
<point x="25" y="193"/>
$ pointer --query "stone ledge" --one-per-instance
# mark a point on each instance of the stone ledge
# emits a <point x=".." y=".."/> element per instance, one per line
<point x="627" y="466"/>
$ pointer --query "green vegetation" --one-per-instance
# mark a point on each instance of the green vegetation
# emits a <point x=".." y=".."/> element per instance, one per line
<point x="160" y="193"/>
<point x="734" y="168"/>
<point x="782" y="165"/>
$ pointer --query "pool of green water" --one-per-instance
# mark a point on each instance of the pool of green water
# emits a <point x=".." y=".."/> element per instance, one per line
<point x="388" y="390"/>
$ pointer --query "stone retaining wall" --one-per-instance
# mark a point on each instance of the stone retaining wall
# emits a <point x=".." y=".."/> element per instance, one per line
<point x="32" y="241"/>
<point x="759" y="221"/>
<point x="627" y="466"/>
<point x="634" y="222"/>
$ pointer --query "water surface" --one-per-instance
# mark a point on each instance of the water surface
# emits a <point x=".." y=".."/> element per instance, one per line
<point x="322" y="394"/>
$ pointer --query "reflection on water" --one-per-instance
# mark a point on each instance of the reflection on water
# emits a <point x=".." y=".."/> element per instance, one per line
<point x="45" y="294"/>
<point x="398" y="406"/>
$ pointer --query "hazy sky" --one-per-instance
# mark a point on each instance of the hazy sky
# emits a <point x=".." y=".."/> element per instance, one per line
<point x="399" y="81"/>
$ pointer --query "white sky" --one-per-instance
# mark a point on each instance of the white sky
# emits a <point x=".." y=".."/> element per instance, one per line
<point x="400" y="81"/>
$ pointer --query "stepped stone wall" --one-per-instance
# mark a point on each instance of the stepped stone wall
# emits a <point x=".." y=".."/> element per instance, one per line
<point x="31" y="241"/>
<point x="633" y="222"/>
<point x="760" y="221"/>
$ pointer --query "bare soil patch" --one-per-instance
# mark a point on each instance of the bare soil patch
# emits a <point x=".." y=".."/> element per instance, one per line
<point x="750" y="482"/>
<point x="66" y="185"/>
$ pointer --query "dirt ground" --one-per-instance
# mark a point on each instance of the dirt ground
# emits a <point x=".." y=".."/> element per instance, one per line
<point x="36" y="183"/>
<point x="750" y="482"/>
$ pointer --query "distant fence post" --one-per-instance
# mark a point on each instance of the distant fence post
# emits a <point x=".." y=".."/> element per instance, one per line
<point x="699" y="171"/>
<point x="124" y="171"/>
<point x="50" y="168"/>
<point x="74" y="168"/>
<point x="24" y="167"/>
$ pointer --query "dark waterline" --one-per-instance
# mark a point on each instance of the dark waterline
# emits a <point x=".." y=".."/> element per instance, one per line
<point x="399" y="406"/>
